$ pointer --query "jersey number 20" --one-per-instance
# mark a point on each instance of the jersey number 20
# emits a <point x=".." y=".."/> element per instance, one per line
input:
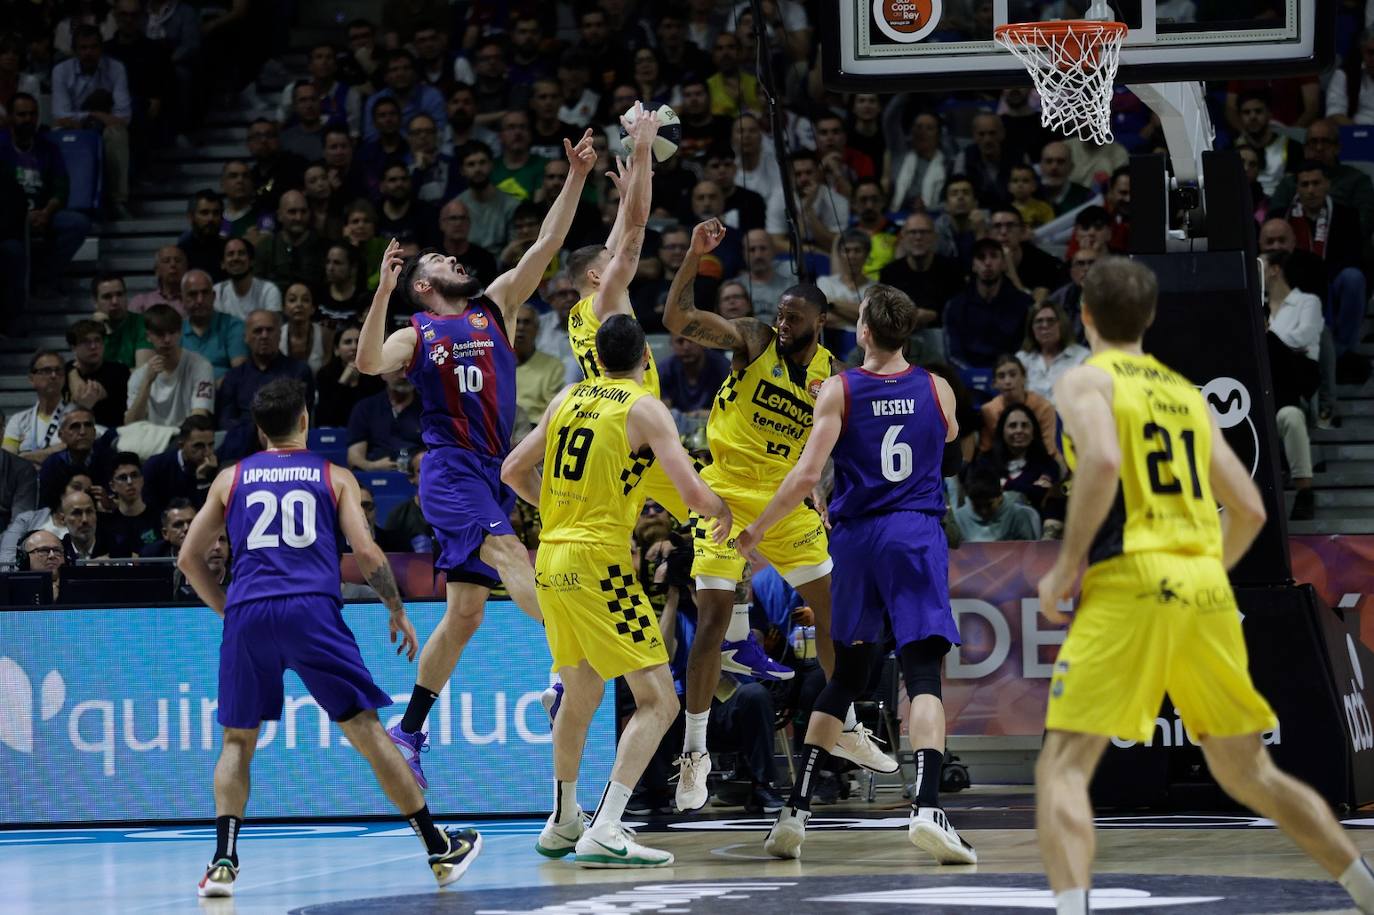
<point x="297" y="508"/>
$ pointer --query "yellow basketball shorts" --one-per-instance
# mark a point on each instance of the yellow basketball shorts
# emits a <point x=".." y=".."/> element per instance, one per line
<point x="595" y="610"/>
<point x="796" y="546"/>
<point x="1148" y="624"/>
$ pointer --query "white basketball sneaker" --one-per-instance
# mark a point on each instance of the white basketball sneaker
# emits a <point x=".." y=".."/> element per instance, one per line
<point x="218" y="881"/>
<point x="693" y="768"/>
<point x="930" y="831"/>
<point x="612" y="845"/>
<point x="558" y="839"/>
<point x="860" y="747"/>
<point x="786" y="837"/>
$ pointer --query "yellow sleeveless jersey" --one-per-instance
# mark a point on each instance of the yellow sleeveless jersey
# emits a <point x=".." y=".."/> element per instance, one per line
<point x="582" y="327"/>
<point x="1164" y="501"/>
<point x="590" y="475"/>
<point x="763" y="413"/>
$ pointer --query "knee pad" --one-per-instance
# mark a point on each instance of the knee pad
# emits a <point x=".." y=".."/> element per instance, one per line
<point x="853" y="664"/>
<point x="921" y="666"/>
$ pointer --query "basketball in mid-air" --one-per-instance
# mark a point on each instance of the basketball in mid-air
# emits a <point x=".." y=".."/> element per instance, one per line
<point x="669" y="133"/>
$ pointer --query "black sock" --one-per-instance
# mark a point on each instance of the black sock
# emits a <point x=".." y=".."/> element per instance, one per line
<point x="421" y="701"/>
<point x="812" y="759"/>
<point x="436" y="843"/>
<point x="227" y="839"/>
<point x="928" y="766"/>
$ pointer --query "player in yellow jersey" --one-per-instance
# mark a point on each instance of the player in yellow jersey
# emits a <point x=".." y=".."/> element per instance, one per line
<point x="1157" y="613"/>
<point x="598" y="622"/>
<point x="758" y="426"/>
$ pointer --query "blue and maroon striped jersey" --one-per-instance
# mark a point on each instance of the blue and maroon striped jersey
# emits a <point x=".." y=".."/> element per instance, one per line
<point x="464" y="371"/>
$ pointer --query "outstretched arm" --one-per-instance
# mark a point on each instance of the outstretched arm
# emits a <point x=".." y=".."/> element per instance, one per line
<point x="514" y="287"/>
<point x="612" y="297"/>
<point x="801" y="480"/>
<point x="520" y="470"/>
<point x="372" y="561"/>
<point x="650" y="424"/>
<point x="205" y="527"/>
<point x="378" y="353"/>
<point x="746" y="336"/>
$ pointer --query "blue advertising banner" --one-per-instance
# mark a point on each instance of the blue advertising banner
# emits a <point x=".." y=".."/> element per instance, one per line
<point x="110" y="715"/>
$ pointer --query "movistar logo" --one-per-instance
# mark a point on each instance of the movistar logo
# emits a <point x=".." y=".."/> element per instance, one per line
<point x="17" y="704"/>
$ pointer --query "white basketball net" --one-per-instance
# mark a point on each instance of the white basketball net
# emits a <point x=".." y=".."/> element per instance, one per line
<point x="1073" y="65"/>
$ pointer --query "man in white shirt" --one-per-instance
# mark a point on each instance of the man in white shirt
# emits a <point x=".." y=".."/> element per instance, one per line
<point x="824" y="213"/>
<point x="767" y="277"/>
<point x="561" y="295"/>
<point x="32" y="433"/>
<point x="243" y="293"/>
<point x="1350" y="94"/>
<point x="1295" y="330"/>
<point x="91" y="91"/>
<point x="174" y="383"/>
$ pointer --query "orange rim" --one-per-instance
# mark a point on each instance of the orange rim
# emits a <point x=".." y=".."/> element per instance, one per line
<point x="1058" y="28"/>
<point x="1075" y="43"/>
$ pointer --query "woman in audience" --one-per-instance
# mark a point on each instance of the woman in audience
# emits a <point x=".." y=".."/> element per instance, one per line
<point x="1009" y="377"/>
<point x="340" y="384"/>
<point x="360" y="231"/>
<point x="1049" y="349"/>
<point x="844" y="288"/>
<point x="648" y="79"/>
<point x="345" y="296"/>
<point x="1020" y="460"/>
<point x="301" y="338"/>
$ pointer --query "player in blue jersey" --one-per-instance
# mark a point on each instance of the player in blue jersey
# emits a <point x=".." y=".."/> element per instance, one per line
<point x="287" y="511"/>
<point x="891" y="430"/>
<point x="457" y="352"/>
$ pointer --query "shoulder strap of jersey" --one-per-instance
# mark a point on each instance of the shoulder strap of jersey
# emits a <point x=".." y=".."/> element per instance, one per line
<point x="496" y="316"/>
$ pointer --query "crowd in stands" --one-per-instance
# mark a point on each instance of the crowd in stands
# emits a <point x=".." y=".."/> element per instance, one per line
<point x="442" y="126"/>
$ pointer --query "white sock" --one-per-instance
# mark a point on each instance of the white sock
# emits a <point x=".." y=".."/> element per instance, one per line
<point x="738" y="630"/>
<point x="1071" y="902"/>
<point x="850" y="722"/>
<point x="694" y="740"/>
<point x="1358" y="881"/>
<point x="564" y="801"/>
<point x="612" y="806"/>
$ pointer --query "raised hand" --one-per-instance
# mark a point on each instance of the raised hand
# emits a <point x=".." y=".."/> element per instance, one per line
<point x="582" y="157"/>
<point x="643" y="130"/>
<point x="707" y="236"/>
<point x="392" y="261"/>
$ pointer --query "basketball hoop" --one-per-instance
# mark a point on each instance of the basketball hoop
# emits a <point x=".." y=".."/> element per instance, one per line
<point x="1073" y="64"/>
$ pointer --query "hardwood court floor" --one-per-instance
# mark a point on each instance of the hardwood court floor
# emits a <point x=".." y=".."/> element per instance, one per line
<point x="856" y="859"/>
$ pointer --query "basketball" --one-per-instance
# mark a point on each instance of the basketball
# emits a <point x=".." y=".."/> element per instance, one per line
<point x="669" y="133"/>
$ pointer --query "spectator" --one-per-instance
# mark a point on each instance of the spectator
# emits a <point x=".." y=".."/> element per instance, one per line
<point x="44" y="553"/>
<point x="988" y="162"/>
<point x="1069" y="297"/>
<point x="91" y="92"/>
<point x="489" y="210"/>
<point x="345" y="296"/>
<point x="169" y="266"/>
<point x="126" y="340"/>
<point x="173" y="384"/>
<point x="1094" y="163"/>
<point x="274" y="171"/>
<point x="435" y="175"/>
<point x="177" y="27"/>
<point x="82" y="453"/>
<point x="406" y="528"/>
<point x="517" y="172"/>
<point x="360" y="66"/>
<point x="768" y="277"/>
<point x="242" y="293"/>
<point x="1022" y="187"/>
<point x="183" y="472"/>
<point x="305" y="135"/>
<point x="293" y="253"/>
<point x="384" y="425"/>
<point x="1117" y="203"/>
<point x="1278" y="153"/>
<point x="203" y="242"/>
<point x="1294" y="338"/>
<point x="1332" y="233"/>
<point x="930" y="280"/>
<point x="32" y="433"/>
<point x="824" y="214"/>
<point x="242" y="216"/>
<point x="435" y="64"/>
<point x="758" y="168"/>
<point x="538" y="376"/>
<point x="845" y="289"/>
<point x="529" y="58"/>
<point x="546" y="130"/>
<point x="494" y="93"/>
<point x="93" y="382"/>
<point x="921" y="172"/>
<point x="301" y="337"/>
<point x="586" y="227"/>
<point x="1023" y="466"/>
<point x="745" y="210"/>
<point x="340" y="384"/>
<point x="1009" y="378"/>
<point x="1349" y="99"/>
<point x="151" y="77"/>
<point x="40" y="518"/>
<point x="702" y="130"/>
<point x="85" y="539"/>
<point x="402" y="217"/>
<point x="55" y="232"/>
<point x="960" y="225"/>
<point x="234" y="406"/>
<point x="403" y="85"/>
<point x="1250" y="161"/>
<point x="208" y="331"/>
<point x="732" y="301"/>
<point x="455" y="226"/>
<point x="1050" y="349"/>
<point x="12" y="81"/>
<point x="1028" y="268"/>
<point x="360" y="231"/>
<point x="988" y="516"/>
<point x="18" y="487"/>
<point x="132" y="525"/>
<point x="340" y="104"/>
<point x="1092" y="231"/>
<point x="389" y="147"/>
<point x="1026" y="135"/>
<point x="988" y="317"/>
<point x="562" y="295"/>
<point x="1055" y="187"/>
<point x="1350" y="187"/>
<point x="216" y="560"/>
<point x="870" y="219"/>
<point x="461" y="126"/>
<point x="732" y="89"/>
<point x="692" y="376"/>
<point x="176" y="520"/>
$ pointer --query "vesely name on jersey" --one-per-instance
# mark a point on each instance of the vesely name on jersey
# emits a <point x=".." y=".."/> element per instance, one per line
<point x="281" y="475"/>
<point x="894" y="407"/>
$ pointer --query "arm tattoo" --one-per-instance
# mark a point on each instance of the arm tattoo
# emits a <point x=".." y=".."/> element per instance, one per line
<point x="755" y="334"/>
<point x="707" y="336"/>
<point x="383" y="581"/>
